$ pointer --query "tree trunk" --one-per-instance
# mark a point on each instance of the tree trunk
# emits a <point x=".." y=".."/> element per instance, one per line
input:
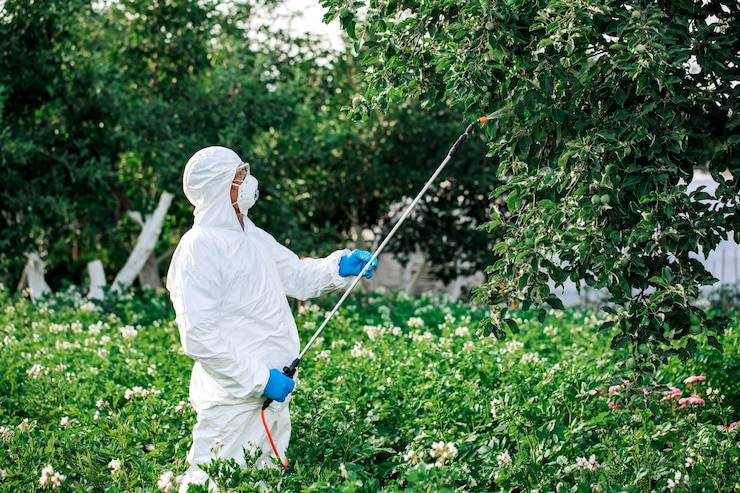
<point x="97" y="280"/>
<point x="149" y="275"/>
<point x="148" y="237"/>
<point x="33" y="277"/>
<point x="414" y="283"/>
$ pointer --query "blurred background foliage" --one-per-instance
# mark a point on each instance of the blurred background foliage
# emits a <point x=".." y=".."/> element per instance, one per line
<point x="102" y="103"/>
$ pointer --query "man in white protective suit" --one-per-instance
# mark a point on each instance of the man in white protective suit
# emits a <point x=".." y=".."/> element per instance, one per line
<point x="229" y="281"/>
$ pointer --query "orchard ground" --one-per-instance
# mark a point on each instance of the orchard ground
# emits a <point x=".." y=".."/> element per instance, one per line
<point x="400" y="394"/>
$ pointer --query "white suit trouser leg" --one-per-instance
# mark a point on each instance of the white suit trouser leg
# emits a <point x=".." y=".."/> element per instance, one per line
<point x="236" y="427"/>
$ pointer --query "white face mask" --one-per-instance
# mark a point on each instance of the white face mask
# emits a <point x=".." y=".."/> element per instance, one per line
<point x="248" y="194"/>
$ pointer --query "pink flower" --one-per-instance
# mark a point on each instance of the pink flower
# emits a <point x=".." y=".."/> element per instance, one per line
<point x="696" y="378"/>
<point x="612" y="405"/>
<point x="693" y="399"/>
<point x="614" y="389"/>
<point x="673" y="393"/>
<point x="732" y="426"/>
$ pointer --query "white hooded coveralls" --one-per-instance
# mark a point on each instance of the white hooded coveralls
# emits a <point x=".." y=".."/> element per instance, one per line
<point x="229" y="287"/>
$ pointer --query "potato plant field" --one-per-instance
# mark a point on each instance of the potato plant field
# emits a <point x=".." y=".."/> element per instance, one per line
<point x="399" y="394"/>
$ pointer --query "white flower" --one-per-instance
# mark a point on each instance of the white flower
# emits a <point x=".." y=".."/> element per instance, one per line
<point x="678" y="479"/>
<point x="462" y="331"/>
<point x="513" y="346"/>
<point x="55" y="328"/>
<point x="139" y="392"/>
<point x="550" y="330"/>
<point x="165" y="482"/>
<point x="6" y="433"/>
<point x="323" y="355"/>
<point x="504" y="459"/>
<point x="531" y="358"/>
<point x="114" y="465"/>
<point x="94" y="329"/>
<point x="51" y="479"/>
<point x="128" y="332"/>
<point x="425" y="337"/>
<point x="217" y="445"/>
<point x="589" y="464"/>
<point x="411" y="456"/>
<point x="35" y="371"/>
<point x="373" y="331"/>
<point x="88" y="306"/>
<point x="442" y="452"/>
<point x="360" y="352"/>
<point x="416" y="323"/>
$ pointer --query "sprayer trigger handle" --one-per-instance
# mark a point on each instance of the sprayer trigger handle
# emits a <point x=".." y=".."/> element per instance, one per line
<point x="289" y="371"/>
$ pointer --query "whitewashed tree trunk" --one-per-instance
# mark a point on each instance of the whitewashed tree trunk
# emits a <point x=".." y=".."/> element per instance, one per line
<point x="413" y="284"/>
<point x="33" y="277"/>
<point x="151" y="229"/>
<point x="97" y="280"/>
<point x="456" y="288"/>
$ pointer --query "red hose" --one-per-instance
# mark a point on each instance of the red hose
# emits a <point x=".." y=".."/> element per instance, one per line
<point x="269" y="436"/>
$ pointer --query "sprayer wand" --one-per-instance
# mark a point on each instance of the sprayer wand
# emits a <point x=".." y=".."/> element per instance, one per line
<point x="452" y="151"/>
<point x="289" y="371"/>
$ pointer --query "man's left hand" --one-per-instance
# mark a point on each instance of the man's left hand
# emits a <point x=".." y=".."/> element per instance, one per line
<point x="353" y="263"/>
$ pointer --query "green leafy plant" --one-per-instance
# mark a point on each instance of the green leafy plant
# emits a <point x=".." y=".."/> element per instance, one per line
<point x="598" y="113"/>
<point x="399" y="394"/>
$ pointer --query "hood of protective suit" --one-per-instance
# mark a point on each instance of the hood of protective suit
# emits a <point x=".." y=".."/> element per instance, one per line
<point x="207" y="185"/>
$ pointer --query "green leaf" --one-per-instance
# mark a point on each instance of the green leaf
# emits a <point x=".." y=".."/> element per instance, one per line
<point x="513" y="326"/>
<point x="712" y="341"/>
<point x="555" y="302"/>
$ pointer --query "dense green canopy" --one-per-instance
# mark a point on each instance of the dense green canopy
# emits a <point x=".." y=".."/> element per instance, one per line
<point x="103" y="103"/>
<point x="599" y="113"/>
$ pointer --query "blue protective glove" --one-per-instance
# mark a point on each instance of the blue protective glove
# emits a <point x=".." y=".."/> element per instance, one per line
<point x="353" y="263"/>
<point x="278" y="386"/>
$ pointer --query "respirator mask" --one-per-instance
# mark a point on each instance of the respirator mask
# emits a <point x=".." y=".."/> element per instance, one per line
<point x="248" y="192"/>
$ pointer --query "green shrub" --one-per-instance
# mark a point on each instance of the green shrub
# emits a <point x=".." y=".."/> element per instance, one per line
<point x="398" y="394"/>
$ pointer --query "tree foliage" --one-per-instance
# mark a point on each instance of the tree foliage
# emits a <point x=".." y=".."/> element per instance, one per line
<point x="354" y="178"/>
<point x="599" y="112"/>
<point x="102" y="103"/>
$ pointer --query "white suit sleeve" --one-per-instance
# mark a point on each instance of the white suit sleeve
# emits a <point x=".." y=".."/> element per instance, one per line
<point x="197" y="293"/>
<point x="309" y="277"/>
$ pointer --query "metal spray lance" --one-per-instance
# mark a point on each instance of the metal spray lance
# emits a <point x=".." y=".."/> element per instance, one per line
<point x="289" y="371"/>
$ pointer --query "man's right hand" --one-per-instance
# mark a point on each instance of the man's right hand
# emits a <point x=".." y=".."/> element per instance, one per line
<point x="278" y="386"/>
